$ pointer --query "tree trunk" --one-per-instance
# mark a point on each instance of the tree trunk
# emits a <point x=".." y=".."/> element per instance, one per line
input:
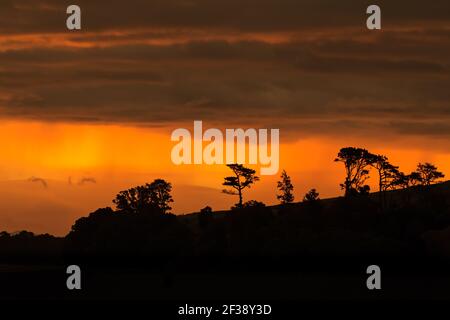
<point x="381" y="190"/>
<point x="240" y="198"/>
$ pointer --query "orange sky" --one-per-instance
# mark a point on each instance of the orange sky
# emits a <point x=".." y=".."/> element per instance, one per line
<point x="118" y="157"/>
<point x="100" y="104"/>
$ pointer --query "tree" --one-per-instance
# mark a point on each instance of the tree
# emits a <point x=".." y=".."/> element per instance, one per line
<point x="243" y="178"/>
<point x="311" y="196"/>
<point x="285" y="187"/>
<point x="205" y="216"/>
<point x="386" y="171"/>
<point x="401" y="180"/>
<point x="387" y="174"/>
<point x="356" y="162"/>
<point x="428" y="173"/>
<point x="160" y="194"/>
<point x="405" y="181"/>
<point x="207" y="211"/>
<point x="155" y="195"/>
<point x="254" y="204"/>
<point x="414" y="179"/>
<point x="4" y="234"/>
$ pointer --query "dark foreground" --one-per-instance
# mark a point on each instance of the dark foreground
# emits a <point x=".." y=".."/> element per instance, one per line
<point x="338" y="280"/>
<point x="317" y="251"/>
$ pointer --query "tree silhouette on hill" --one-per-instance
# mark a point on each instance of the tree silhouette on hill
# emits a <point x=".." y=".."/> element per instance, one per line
<point x="253" y="204"/>
<point x="387" y="174"/>
<point x="386" y="171"/>
<point x="141" y="231"/>
<point x="427" y="173"/>
<point x="243" y="178"/>
<point x="311" y="196"/>
<point x="146" y="198"/>
<point x="285" y="187"/>
<point x="356" y="162"/>
<point x="405" y="181"/>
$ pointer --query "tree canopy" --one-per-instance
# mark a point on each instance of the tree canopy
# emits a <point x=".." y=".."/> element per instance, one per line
<point x="243" y="178"/>
<point x="285" y="187"/>
<point x="147" y="198"/>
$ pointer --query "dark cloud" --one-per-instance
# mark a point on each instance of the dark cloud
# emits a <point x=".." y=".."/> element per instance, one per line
<point x="437" y="128"/>
<point x="308" y="66"/>
<point x="250" y="15"/>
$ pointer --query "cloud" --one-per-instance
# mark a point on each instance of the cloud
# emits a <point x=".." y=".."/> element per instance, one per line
<point x="437" y="128"/>
<point x="252" y="15"/>
<point x="296" y="65"/>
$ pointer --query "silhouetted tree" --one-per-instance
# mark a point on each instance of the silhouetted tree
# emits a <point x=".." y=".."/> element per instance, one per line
<point x="285" y="187"/>
<point x="155" y="195"/>
<point x="105" y="232"/>
<point x="428" y="173"/>
<point x="206" y="210"/>
<point x="364" y="190"/>
<point x="401" y="181"/>
<point x="414" y="179"/>
<point x="253" y="204"/>
<point x="243" y="178"/>
<point x="311" y="196"/>
<point x="4" y="234"/>
<point x="405" y="181"/>
<point x="387" y="174"/>
<point x="205" y="216"/>
<point x="160" y="194"/>
<point x="386" y="171"/>
<point x="356" y="162"/>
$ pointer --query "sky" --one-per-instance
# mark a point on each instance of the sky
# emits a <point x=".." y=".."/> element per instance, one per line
<point x="85" y="114"/>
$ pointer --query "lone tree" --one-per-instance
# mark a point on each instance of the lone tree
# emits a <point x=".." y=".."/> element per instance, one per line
<point x="311" y="196"/>
<point x="285" y="187"/>
<point x="151" y="196"/>
<point x="243" y="178"/>
<point x="428" y="173"/>
<point x="356" y="162"/>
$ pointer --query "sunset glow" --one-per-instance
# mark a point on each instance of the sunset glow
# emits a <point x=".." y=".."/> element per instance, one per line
<point x="65" y="153"/>
<point x="85" y="114"/>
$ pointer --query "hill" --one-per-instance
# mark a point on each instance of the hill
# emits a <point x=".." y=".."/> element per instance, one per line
<point x="411" y="222"/>
<point x="324" y="242"/>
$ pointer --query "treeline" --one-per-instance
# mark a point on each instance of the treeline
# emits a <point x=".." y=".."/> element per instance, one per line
<point x="24" y="246"/>
<point x="358" y="164"/>
<point x="142" y="226"/>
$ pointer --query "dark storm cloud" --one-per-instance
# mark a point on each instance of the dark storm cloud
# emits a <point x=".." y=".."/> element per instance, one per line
<point x="248" y="15"/>
<point x="422" y="128"/>
<point x="307" y="66"/>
